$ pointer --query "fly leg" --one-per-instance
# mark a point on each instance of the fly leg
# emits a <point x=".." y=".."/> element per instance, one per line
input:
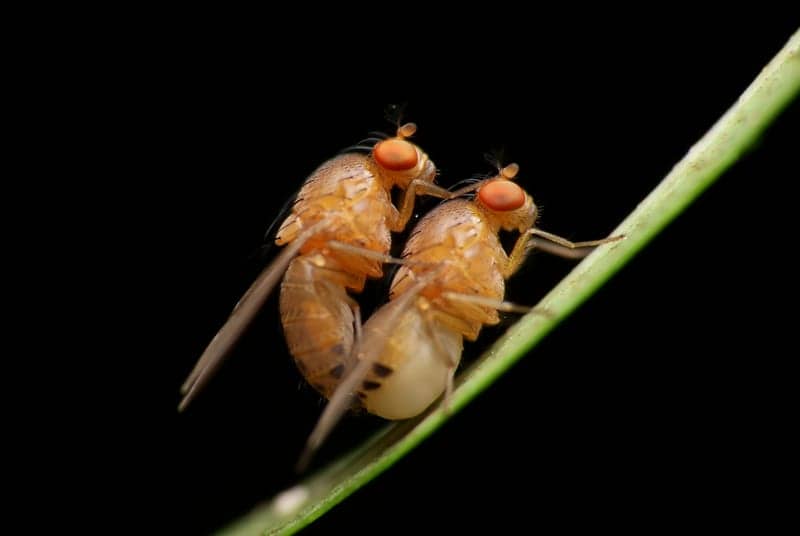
<point x="556" y="245"/>
<point x="505" y="306"/>
<point x="552" y="244"/>
<point x="417" y="187"/>
<point x="372" y="255"/>
<point x="365" y="253"/>
<point x="500" y="305"/>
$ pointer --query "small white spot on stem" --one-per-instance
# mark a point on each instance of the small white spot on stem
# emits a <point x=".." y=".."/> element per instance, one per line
<point x="291" y="500"/>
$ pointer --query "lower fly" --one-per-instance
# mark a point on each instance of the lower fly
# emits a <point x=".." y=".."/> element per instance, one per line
<point x="451" y="284"/>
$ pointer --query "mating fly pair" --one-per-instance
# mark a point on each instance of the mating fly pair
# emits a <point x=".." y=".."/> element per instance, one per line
<point x="450" y="283"/>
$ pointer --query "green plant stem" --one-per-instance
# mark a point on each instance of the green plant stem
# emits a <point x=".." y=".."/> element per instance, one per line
<point x="769" y="93"/>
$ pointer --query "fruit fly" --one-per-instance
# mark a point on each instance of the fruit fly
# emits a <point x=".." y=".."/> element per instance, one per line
<point x="337" y="235"/>
<point x="451" y="285"/>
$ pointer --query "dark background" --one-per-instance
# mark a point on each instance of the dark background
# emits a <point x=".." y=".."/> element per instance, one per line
<point x="641" y="410"/>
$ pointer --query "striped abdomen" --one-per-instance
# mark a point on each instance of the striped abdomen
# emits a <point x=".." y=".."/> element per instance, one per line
<point x="317" y="321"/>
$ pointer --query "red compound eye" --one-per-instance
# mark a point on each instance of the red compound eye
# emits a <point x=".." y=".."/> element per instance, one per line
<point x="502" y="195"/>
<point x="395" y="155"/>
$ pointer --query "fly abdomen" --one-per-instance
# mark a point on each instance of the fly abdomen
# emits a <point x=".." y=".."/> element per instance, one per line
<point x="415" y="356"/>
<point x="318" y="323"/>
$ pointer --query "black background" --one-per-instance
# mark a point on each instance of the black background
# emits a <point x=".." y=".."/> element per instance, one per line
<point x="639" y="411"/>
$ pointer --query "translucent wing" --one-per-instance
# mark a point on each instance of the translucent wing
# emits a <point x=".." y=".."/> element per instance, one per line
<point x="241" y="317"/>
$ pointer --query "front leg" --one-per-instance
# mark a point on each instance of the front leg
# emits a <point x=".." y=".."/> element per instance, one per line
<point x="552" y="244"/>
<point x="573" y="245"/>
<point x="417" y="187"/>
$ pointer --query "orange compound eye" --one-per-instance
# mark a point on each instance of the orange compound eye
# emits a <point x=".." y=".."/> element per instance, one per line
<point x="395" y="155"/>
<point x="502" y="195"/>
